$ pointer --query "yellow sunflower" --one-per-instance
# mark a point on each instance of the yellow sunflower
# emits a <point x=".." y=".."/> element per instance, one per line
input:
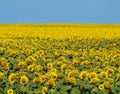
<point x="83" y="75"/>
<point x="12" y="77"/>
<point x="107" y="85"/>
<point x="72" y="81"/>
<point x="23" y="79"/>
<point x="52" y="82"/>
<point x="49" y="65"/>
<point x="94" y="80"/>
<point x="1" y="75"/>
<point x="93" y="75"/>
<point x="21" y="64"/>
<point x="10" y="91"/>
<point x="104" y="74"/>
<point x="63" y="67"/>
<point x="101" y="86"/>
<point x="44" y="89"/>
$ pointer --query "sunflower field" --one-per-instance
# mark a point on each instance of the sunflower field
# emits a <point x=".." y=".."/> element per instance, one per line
<point x="59" y="59"/>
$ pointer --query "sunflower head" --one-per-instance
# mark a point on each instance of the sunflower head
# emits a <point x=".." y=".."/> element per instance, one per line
<point x="52" y="82"/>
<point x="94" y="80"/>
<point x="10" y="91"/>
<point x="75" y="62"/>
<point x="101" y="86"/>
<point x="44" y="89"/>
<point x="93" y="75"/>
<point x="72" y="81"/>
<point x="36" y="80"/>
<point x="110" y="71"/>
<point x="1" y="75"/>
<point x="12" y="77"/>
<point x="49" y="65"/>
<point x="104" y="74"/>
<point x="23" y="80"/>
<point x="83" y="75"/>
<point x="107" y="85"/>
<point x="63" y="67"/>
<point x="21" y="64"/>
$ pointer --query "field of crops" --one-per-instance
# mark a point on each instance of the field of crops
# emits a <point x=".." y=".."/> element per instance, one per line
<point x="59" y="59"/>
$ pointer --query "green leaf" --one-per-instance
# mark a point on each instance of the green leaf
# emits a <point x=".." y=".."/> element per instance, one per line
<point x="65" y="88"/>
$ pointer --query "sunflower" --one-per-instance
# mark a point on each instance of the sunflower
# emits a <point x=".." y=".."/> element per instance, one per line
<point x="12" y="77"/>
<point x="53" y="70"/>
<point x="52" y="82"/>
<point x="27" y="51"/>
<point x="43" y="77"/>
<point x="19" y="74"/>
<point x="21" y="64"/>
<point x="35" y="56"/>
<point x="72" y="81"/>
<point x="93" y="75"/>
<point x="31" y="67"/>
<point x="104" y="74"/>
<point x="10" y="91"/>
<point x="39" y="68"/>
<point x="55" y="54"/>
<point x="30" y="58"/>
<point x="110" y="71"/>
<point x="101" y="86"/>
<point x="6" y="67"/>
<point x="107" y="85"/>
<point x="1" y="75"/>
<point x="59" y="63"/>
<point x="23" y="79"/>
<point x="94" y="80"/>
<point x="62" y="58"/>
<point x="2" y="59"/>
<point x="75" y="62"/>
<point x="63" y="67"/>
<point x="71" y="73"/>
<point x="36" y="80"/>
<point x="49" y="65"/>
<point x="48" y="75"/>
<point x="83" y="75"/>
<point x="111" y="80"/>
<point x="84" y="63"/>
<point x="105" y="64"/>
<point x="36" y="74"/>
<point x="44" y="89"/>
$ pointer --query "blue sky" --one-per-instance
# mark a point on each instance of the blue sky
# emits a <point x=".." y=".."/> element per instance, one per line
<point x="60" y="11"/>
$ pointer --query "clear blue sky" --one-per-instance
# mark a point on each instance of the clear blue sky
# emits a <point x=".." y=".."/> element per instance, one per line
<point x="60" y="11"/>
